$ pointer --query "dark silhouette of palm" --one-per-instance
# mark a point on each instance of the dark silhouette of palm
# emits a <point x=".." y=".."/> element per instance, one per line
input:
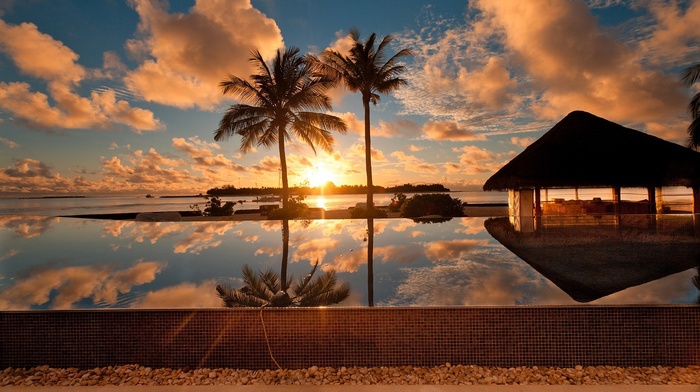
<point x="696" y="282"/>
<point x="267" y="290"/>
<point x="364" y="70"/>
<point x="691" y="75"/>
<point x="280" y="101"/>
<point x="370" y="262"/>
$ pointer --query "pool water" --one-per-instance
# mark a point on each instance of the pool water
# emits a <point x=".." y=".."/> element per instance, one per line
<point x="69" y="263"/>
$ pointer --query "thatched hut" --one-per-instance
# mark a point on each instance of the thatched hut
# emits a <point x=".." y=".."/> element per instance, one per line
<point x="586" y="151"/>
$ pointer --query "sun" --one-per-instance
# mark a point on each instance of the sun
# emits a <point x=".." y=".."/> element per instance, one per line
<point x="319" y="176"/>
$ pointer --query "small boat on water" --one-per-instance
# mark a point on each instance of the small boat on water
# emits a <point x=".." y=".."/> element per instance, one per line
<point x="267" y="198"/>
<point x="149" y="196"/>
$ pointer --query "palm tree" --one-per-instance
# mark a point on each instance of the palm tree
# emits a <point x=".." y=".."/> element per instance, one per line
<point x="280" y="100"/>
<point x="267" y="290"/>
<point x="691" y="75"/>
<point x="364" y="70"/>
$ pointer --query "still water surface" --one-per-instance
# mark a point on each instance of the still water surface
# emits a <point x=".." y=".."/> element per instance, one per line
<point x="60" y="263"/>
<point x="113" y="205"/>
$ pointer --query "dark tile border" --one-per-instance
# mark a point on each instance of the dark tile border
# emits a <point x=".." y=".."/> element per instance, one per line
<point x="300" y="338"/>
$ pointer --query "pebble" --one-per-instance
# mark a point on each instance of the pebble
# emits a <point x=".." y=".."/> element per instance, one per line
<point x="447" y="374"/>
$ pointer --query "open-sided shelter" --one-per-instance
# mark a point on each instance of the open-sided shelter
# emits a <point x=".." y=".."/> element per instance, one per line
<point x="586" y="151"/>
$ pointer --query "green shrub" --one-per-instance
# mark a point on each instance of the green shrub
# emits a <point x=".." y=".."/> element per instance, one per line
<point x="214" y="207"/>
<point x="432" y="204"/>
<point x="296" y="208"/>
<point x="396" y="202"/>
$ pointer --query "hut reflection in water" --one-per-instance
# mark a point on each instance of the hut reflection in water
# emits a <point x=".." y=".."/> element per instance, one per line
<point x="590" y="257"/>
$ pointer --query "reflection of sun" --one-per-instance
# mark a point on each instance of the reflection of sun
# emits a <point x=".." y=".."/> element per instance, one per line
<point x="321" y="202"/>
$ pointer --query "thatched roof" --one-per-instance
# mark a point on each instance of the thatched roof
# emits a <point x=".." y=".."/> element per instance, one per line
<point x="584" y="150"/>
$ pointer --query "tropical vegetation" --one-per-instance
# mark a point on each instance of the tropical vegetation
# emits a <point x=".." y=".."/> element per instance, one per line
<point x="328" y="189"/>
<point x="691" y="75"/>
<point x="281" y="100"/>
<point x="432" y="204"/>
<point x="365" y="70"/>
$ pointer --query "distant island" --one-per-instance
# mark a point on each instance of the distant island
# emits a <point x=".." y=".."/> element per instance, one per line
<point x="53" y="197"/>
<point x="328" y="189"/>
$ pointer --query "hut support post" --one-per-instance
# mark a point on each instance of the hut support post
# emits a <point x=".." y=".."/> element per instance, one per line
<point x="651" y="196"/>
<point x="538" y="209"/>
<point x="520" y="207"/>
<point x="696" y="200"/>
<point x="659" y="200"/>
<point x="616" y="199"/>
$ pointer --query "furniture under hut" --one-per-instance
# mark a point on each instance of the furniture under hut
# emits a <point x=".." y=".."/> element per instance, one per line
<point x="586" y="151"/>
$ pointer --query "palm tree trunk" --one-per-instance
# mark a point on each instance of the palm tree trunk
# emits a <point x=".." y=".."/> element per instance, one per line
<point x="283" y="166"/>
<point x="368" y="160"/>
<point x="370" y="262"/>
<point x="285" y="255"/>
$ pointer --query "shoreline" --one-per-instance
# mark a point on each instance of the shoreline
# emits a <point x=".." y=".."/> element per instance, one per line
<point x="475" y="210"/>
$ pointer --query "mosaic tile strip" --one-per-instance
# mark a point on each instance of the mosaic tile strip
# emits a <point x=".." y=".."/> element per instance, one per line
<point x="299" y="338"/>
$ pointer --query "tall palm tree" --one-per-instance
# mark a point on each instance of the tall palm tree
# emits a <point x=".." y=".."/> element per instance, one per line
<point x="691" y="75"/>
<point x="363" y="69"/>
<point x="280" y="100"/>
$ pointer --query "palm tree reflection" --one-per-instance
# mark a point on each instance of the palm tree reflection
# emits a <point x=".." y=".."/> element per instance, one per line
<point x="696" y="282"/>
<point x="370" y="262"/>
<point x="270" y="289"/>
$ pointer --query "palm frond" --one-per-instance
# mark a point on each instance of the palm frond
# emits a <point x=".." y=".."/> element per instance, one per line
<point x="694" y="106"/>
<point x="691" y="75"/>
<point x="233" y="298"/>
<point x="322" y="291"/>
<point x="694" y="134"/>
<point x="299" y="288"/>
<point x="257" y="287"/>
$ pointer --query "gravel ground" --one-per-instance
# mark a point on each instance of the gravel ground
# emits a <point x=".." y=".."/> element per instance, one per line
<point x="407" y="375"/>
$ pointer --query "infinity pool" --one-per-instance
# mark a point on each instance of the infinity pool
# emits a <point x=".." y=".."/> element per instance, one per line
<point x="69" y="263"/>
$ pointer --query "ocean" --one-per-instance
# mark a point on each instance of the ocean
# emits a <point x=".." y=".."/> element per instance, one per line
<point x="127" y="204"/>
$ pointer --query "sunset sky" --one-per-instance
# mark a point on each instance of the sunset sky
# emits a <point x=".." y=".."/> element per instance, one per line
<point x="122" y="97"/>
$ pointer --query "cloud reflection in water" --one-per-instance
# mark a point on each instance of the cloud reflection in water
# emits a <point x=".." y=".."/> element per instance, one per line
<point x="72" y="263"/>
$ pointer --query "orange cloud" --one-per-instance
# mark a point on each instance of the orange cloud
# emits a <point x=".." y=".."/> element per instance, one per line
<point x="205" y="235"/>
<point x="467" y="283"/>
<point x="453" y="250"/>
<point x="187" y="55"/>
<point x="414" y="164"/>
<point x="475" y="160"/>
<point x="40" y="56"/>
<point x="9" y="143"/>
<point x="27" y="226"/>
<point x="72" y="284"/>
<point x="183" y="295"/>
<point x="580" y="67"/>
<point x="491" y="86"/>
<point x="675" y="38"/>
<point x="449" y="130"/>
<point x="522" y="141"/>
<point x="314" y="250"/>
<point x="400" y="254"/>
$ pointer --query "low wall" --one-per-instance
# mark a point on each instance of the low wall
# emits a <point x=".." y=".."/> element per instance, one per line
<point x="300" y="338"/>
